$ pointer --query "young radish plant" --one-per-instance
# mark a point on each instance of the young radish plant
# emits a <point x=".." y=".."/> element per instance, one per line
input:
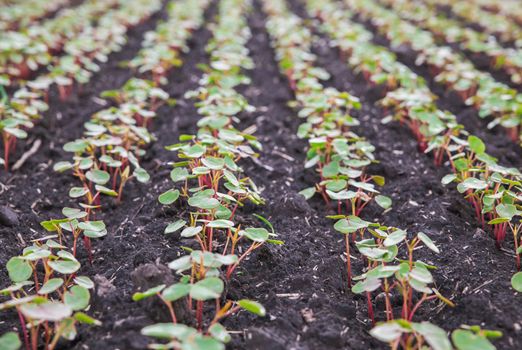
<point x="47" y="294"/>
<point x="78" y="224"/>
<point x="404" y="278"/>
<point x="407" y="335"/>
<point x="203" y="287"/>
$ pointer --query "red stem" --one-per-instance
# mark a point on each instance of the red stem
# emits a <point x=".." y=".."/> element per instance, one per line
<point x="24" y="329"/>
<point x="370" y="307"/>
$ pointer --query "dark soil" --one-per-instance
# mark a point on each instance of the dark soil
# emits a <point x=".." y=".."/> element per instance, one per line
<point x="302" y="283"/>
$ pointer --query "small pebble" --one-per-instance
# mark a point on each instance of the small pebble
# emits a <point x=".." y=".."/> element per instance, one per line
<point x="8" y="217"/>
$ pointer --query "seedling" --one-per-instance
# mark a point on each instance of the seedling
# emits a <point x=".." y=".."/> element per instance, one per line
<point x="407" y="277"/>
<point x="214" y="335"/>
<point x="76" y="222"/>
<point x="52" y="294"/>
<point x="403" y="334"/>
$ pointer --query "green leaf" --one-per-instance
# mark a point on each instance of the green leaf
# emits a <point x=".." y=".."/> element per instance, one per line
<point x="395" y="238"/>
<point x="221" y="224"/>
<point x="208" y="288"/>
<point x="74" y="213"/>
<point x="231" y="177"/>
<point x="266" y="222"/>
<point x="342" y="195"/>
<point x="168" y="197"/>
<point x="106" y="191"/>
<point x="86" y="319"/>
<point x="467" y="340"/>
<point x="476" y="144"/>
<point x="434" y="336"/>
<point x="97" y="176"/>
<point x="49" y="311"/>
<point x="77" y="298"/>
<point x="506" y="210"/>
<point x="19" y="270"/>
<point x="421" y="274"/>
<point x="471" y="183"/>
<point x="366" y="285"/>
<point x="10" y="341"/>
<point x="173" y="227"/>
<point x="92" y="225"/>
<point x="203" y="202"/>
<point x="498" y="221"/>
<point x="15" y="287"/>
<point x="255" y="234"/>
<point x="50" y="286"/>
<point x="428" y="242"/>
<point x="252" y="306"/>
<point x="84" y="281"/>
<point x="75" y="146"/>
<point x="379" y="180"/>
<point x="191" y="231"/>
<point x="350" y="225"/>
<point x="202" y="343"/>
<point x="382" y="271"/>
<point x="176" y="291"/>
<point x="388" y="332"/>
<point x="148" y="293"/>
<point x="65" y="267"/>
<point x="77" y="192"/>
<point x="383" y="201"/>
<point x="194" y="151"/>
<point x="168" y="331"/>
<point x="181" y="264"/>
<point x="213" y="163"/>
<point x="336" y="185"/>
<point x="62" y="166"/>
<point x="219" y="332"/>
<point x="516" y="281"/>
<point x="448" y="179"/>
<point x="179" y="174"/>
<point x="18" y="133"/>
<point x="141" y="175"/>
<point x="36" y="254"/>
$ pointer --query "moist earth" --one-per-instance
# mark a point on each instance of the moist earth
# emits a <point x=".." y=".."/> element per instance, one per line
<point x="302" y="283"/>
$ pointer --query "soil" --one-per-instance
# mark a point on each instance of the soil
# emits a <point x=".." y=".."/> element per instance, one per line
<point x="302" y="283"/>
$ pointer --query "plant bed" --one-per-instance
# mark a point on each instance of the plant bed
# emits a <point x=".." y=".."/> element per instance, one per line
<point x="301" y="283"/>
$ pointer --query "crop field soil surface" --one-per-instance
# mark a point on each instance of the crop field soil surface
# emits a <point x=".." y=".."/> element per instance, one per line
<point x="302" y="283"/>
